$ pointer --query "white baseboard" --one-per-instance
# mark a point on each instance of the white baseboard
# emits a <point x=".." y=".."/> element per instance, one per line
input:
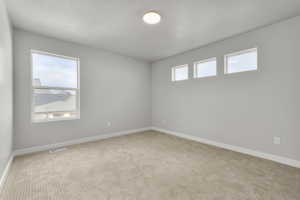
<point x="29" y="150"/>
<point x="275" y="158"/>
<point x="5" y="172"/>
<point x="279" y="159"/>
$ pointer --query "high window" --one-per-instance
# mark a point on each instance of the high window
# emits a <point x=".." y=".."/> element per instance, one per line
<point x="241" y="61"/>
<point x="180" y="73"/>
<point x="205" y="68"/>
<point x="55" y="87"/>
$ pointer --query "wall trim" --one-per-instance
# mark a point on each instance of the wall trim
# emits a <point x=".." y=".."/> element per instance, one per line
<point x="5" y="172"/>
<point x="19" y="152"/>
<point x="275" y="158"/>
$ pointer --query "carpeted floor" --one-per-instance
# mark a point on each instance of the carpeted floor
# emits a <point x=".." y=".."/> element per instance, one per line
<point x="149" y="166"/>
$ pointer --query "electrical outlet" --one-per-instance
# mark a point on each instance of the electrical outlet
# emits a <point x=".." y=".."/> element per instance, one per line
<point x="108" y="124"/>
<point x="276" y="140"/>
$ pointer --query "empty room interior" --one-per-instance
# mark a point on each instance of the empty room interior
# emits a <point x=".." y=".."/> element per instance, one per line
<point x="149" y="100"/>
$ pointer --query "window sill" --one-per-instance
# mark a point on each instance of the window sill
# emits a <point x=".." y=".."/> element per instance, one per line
<point x="55" y="120"/>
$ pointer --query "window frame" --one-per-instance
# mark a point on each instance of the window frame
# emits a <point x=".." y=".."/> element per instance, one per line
<point x="32" y="88"/>
<point x="178" y="67"/>
<point x="195" y="72"/>
<point x="237" y="53"/>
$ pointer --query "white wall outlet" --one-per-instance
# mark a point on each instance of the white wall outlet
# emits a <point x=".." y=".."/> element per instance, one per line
<point x="108" y="124"/>
<point x="276" y="140"/>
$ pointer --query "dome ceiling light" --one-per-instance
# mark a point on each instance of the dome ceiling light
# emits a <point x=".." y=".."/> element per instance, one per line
<point x="151" y="17"/>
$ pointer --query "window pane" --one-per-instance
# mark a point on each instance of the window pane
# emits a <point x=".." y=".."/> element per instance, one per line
<point x="242" y="62"/>
<point x="53" y="71"/>
<point x="180" y="73"/>
<point x="205" y="69"/>
<point x="46" y="100"/>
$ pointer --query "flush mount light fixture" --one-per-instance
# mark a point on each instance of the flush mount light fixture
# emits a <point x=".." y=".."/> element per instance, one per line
<point x="151" y="17"/>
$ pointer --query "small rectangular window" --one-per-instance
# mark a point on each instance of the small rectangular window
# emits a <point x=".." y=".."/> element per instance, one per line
<point x="205" y="68"/>
<point x="180" y="73"/>
<point x="241" y="61"/>
<point x="55" y="87"/>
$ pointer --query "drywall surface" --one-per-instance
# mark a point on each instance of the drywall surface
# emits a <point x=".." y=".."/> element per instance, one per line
<point x="113" y="88"/>
<point x="6" y="88"/>
<point x="244" y="109"/>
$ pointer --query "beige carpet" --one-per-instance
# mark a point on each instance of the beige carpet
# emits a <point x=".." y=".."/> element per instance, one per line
<point x="149" y="166"/>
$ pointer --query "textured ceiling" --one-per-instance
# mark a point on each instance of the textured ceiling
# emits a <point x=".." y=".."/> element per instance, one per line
<point x="117" y="25"/>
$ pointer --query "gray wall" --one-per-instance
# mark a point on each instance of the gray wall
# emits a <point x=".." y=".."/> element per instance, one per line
<point x="113" y="88"/>
<point x="6" y="100"/>
<point x="245" y="109"/>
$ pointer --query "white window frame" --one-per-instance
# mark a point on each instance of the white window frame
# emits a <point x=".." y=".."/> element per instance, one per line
<point x="178" y="67"/>
<point x="237" y="54"/>
<point x="77" y="111"/>
<point x="204" y="61"/>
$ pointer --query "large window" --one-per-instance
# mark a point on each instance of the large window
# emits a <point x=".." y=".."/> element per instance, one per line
<point x="55" y="87"/>
<point x="205" y="68"/>
<point x="180" y="73"/>
<point x="241" y="61"/>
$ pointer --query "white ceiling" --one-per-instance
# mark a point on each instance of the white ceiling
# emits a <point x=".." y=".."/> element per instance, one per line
<point x="117" y="25"/>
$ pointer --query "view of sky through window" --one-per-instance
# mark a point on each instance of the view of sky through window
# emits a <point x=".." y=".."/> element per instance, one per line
<point x="180" y="73"/>
<point x="52" y="71"/>
<point x="242" y="62"/>
<point x="206" y="68"/>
